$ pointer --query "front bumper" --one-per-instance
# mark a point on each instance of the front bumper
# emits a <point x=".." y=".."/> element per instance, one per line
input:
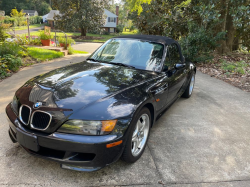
<point x="77" y="152"/>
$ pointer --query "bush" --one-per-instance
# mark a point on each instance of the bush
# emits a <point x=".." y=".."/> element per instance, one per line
<point x="119" y="28"/>
<point x="9" y="63"/>
<point x="70" y="50"/>
<point x="105" y="33"/>
<point x="35" y="19"/>
<point x="199" y="43"/>
<point x="3" y="34"/>
<point x="62" y="40"/>
<point x="11" y="48"/>
<point x="44" y="36"/>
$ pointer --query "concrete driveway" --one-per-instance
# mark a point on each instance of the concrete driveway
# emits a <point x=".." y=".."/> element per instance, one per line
<point x="88" y="47"/>
<point x="201" y="141"/>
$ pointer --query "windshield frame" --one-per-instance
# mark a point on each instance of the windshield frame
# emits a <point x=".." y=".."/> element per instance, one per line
<point x="162" y="59"/>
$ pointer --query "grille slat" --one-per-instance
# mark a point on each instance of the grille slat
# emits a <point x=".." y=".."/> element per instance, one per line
<point x="24" y="114"/>
<point x="40" y="120"/>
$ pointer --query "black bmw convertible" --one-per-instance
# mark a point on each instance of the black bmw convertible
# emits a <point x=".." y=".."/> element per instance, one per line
<point x="87" y="115"/>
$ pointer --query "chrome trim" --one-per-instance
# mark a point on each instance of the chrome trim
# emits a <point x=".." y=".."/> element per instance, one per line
<point x="20" y="114"/>
<point x="31" y="125"/>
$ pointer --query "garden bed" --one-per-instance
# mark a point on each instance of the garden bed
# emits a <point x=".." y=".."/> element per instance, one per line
<point x="233" y="69"/>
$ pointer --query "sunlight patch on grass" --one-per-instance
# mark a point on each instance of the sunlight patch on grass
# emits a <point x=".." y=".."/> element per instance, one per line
<point x="43" y="54"/>
<point x="80" y="52"/>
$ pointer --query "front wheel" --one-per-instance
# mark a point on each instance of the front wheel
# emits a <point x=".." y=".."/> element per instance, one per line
<point x="138" y="136"/>
<point x="189" y="90"/>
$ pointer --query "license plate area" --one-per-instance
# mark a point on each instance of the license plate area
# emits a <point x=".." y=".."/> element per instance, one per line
<point x="27" y="140"/>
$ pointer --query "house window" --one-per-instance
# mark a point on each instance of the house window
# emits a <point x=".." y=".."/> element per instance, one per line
<point x="111" y="19"/>
<point x="111" y="30"/>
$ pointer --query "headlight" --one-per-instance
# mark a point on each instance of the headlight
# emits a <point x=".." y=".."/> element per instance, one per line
<point x="14" y="105"/>
<point x="88" y="127"/>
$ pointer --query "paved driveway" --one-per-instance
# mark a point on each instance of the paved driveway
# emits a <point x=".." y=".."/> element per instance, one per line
<point x="201" y="141"/>
<point x="88" y="47"/>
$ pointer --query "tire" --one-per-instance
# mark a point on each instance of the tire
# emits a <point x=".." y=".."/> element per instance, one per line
<point x="137" y="140"/>
<point x="189" y="90"/>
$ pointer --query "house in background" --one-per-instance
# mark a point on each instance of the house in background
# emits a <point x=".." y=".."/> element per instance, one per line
<point x="111" y="20"/>
<point x="109" y="26"/>
<point x="2" y="13"/>
<point x="50" y="18"/>
<point x="45" y="18"/>
<point x="30" y="12"/>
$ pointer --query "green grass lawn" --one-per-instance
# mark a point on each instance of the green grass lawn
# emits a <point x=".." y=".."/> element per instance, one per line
<point x="105" y="37"/>
<point x="43" y="54"/>
<point x="26" y="27"/>
<point x="80" y="52"/>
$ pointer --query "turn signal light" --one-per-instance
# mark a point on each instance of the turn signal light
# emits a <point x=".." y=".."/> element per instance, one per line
<point x="114" y="144"/>
<point x="108" y="126"/>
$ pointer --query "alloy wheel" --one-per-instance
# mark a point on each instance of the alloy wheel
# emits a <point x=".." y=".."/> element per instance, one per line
<point x="140" y="135"/>
<point x="191" y="86"/>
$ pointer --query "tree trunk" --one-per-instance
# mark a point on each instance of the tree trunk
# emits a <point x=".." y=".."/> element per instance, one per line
<point x="223" y="44"/>
<point x="236" y="44"/>
<point x="230" y="32"/>
<point x="83" y="31"/>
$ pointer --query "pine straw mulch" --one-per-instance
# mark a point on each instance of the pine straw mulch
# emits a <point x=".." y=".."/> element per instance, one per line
<point x="218" y="68"/>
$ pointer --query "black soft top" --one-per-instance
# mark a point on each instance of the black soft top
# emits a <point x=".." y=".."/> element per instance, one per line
<point x="159" y="39"/>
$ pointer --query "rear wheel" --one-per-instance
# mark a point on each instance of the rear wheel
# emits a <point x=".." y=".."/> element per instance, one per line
<point x="189" y="90"/>
<point x="138" y="136"/>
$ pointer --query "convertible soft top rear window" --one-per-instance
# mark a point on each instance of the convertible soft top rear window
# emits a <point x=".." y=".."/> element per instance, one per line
<point x="137" y="53"/>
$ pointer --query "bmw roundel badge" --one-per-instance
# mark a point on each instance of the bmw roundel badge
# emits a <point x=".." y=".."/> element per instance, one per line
<point x="38" y="104"/>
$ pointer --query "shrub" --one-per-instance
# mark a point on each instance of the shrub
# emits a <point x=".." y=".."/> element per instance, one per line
<point x="62" y="40"/>
<point x="12" y="48"/>
<point x="238" y="67"/>
<point x="3" y="34"/>
<point x="106" y="33"/>
<point x="70" y="50"/>
<point x="119" y="28"/>
<point x="9" y="63"/>
<point x="199" y="43"/>
<point x="44" y="36"/>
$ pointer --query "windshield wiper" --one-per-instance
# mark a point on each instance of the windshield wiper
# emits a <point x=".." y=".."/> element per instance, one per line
<point x="116" y="63"/>
<point x="121" y="64"/>
<point x="93" y="59"/>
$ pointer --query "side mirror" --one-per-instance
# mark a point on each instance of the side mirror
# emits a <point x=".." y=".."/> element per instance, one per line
<point x="179" y="66"/>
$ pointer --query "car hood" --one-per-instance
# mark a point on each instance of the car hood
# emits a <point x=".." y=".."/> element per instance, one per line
<point x="75" y="86"/>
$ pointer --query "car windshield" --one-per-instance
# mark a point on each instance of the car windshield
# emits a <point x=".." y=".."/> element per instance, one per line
<point x="130" y="52"/>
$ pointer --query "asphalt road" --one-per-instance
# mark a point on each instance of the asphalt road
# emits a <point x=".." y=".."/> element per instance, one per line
<point x="200" y="141"/>
<point x="26" y="30"/>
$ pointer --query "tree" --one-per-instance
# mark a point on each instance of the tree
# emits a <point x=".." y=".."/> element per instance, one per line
<point x="41" y="6"/>
<point x="84" y="15"/>
<point x="210" y="17"/>
<point x="15" y="13"/>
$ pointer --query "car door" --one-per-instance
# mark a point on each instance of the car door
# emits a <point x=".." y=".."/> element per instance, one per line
<point x="176" y="72"/>
<point x="160" y="88"/>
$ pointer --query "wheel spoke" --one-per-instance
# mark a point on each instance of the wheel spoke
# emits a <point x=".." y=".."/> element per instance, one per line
<point x="140" y="134"/>
<point x="142" y="124"/>
<point x="136" y="130"/>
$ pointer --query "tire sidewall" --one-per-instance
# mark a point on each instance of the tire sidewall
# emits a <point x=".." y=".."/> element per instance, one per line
<point x="127" y="149"/>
